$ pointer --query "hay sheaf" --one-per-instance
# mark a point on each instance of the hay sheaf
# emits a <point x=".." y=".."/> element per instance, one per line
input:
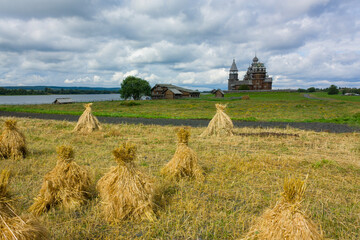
<point x="185" y="161"/>
<point x="286" y="220"/>
<point x="4" y="193"/>
<point x="87" y="122"/>
<point x="220" y="124"/>
<point x="126" y="192"/>
<point x="68" y="184"/>
<point x="12" y="141"/>
<point x="13" y="226"/>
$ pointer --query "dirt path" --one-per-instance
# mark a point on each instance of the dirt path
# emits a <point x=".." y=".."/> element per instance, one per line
<point x="318" y="127"/>
<point x="318" y="98"/>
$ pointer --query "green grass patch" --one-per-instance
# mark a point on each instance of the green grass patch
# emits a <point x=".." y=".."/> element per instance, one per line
<point x="339" y="97"/>
<point x="267" y="106"/>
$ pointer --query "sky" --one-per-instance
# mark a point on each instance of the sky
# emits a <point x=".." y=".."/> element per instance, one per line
<point x="94" y="43"/>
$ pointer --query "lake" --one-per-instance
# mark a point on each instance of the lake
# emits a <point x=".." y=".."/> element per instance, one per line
<point x="48" y="99"/>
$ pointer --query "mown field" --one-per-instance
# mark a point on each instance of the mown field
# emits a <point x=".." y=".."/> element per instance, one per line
<point x="274" y="106"/>
<point x="244" y="176"/>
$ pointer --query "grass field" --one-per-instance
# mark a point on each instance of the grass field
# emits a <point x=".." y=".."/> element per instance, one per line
<point x="244" y="176"/>
<point x="339" y="97"/>
<point x="274" y="106"/>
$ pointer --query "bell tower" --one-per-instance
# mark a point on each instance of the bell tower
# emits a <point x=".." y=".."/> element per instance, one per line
<point x="233" y="75"/>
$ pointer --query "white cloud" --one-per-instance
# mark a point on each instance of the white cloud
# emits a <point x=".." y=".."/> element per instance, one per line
<point x="79" y="80"/>
<point x="99" y="43"/>
<point x="118" y="77"/>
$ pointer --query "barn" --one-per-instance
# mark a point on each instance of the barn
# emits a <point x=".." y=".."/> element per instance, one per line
<point x="169" y="91"/>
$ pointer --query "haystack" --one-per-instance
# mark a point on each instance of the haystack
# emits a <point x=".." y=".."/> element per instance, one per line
<point x="126" y="192"/>
<point x="12" y="141"/>
<point x="67" y="184"/>
<point x="184" y="162"/>
<point x="4" y="194"/>
<point x="13" y="226"/>
<point x="87" y="122"/>
<point x="220" y="124"/>
<point x="286" y="220"/>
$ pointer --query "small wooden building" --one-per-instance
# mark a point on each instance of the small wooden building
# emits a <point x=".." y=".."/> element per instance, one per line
<point x="63" y="101"/>
<point x="169" y="91"/>
<point x="218" y="93"/>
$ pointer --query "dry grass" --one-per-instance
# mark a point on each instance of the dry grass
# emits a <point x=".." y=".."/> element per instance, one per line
<point x="4" y="193"/>
<point x="185" y="161"/>
<point x="13" y="226"/>
<point x="12" y="141"/>
<point x="87" y="122"/>
<point x="68" y="184"/>
<point x="244" y="177"/>
<point x="220" y="124"/>
<point x="126" y="192"/>
<point x="286" y="220"/>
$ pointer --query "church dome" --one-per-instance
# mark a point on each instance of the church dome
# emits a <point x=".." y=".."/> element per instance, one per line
<point x="233" y="67"/>
<point x="255" y="59"/>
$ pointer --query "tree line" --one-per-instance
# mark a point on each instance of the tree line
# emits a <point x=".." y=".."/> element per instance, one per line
<point x="332" y="90"/>
<point x="48" y="91"/>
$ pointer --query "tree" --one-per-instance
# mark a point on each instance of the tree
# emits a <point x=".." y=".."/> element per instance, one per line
<point x="244" y="87"/>
<point x="301" y="90"/>
<point x="134" y="87"/>
<point x="333" y="90"/>
<point x="311" y="89"/>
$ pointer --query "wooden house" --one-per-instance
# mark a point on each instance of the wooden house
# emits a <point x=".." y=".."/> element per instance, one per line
<point x="218" y="93"/>
<point x="63" y="101"/>
<point x="169" y="91"/>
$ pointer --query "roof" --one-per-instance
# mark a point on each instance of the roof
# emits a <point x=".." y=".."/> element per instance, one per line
<point x="175" y="91"/>
<point x="217" y="90"/>
<point x="170" y="86"/>
<point x="233" y="66"/>
<point x="63" y="100"/>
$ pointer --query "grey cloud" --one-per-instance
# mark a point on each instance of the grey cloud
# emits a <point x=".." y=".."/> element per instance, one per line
<point x="183" y="42"/>
<point x="24" y="9"/>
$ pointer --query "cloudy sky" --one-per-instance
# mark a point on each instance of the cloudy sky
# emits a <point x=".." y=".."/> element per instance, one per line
<point x="185" y="42"/>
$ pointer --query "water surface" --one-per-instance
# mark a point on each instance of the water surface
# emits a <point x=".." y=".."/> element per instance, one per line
<point x="48" y="99"/>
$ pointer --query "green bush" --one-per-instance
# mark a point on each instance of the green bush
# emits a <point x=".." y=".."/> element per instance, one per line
<point x="301" y="90"/>
<point x="333" y="90"/>
<point x="311" y="89"/>
<point x="244" y="87"/>
<point x="129" y="103"/>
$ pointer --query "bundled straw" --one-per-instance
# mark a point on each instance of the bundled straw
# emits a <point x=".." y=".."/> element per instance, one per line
<point x="13" y="226"/>
<point x="12" y="141"/>
<point x="4" y="194"/>
<point x="87" y="122"/>
<point x="220" y="124"/>
<point x="286" y="220"/>
<point x="184" y="162"/>
<point x="67" y="184"/>
<point x="126" y="192"/>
